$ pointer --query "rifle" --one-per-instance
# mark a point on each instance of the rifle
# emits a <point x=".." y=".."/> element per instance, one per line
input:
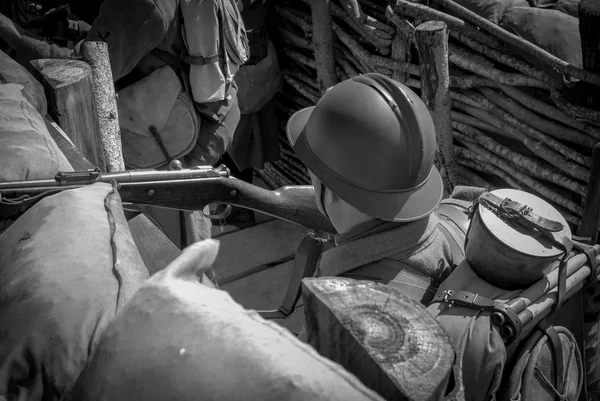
<point x="186" y="189"/>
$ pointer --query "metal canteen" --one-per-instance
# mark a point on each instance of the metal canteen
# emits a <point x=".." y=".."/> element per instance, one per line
<point x="504" y="254"/>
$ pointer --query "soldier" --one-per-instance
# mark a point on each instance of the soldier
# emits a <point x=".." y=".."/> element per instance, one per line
<point x="369" y="145"/>
<point x="173" y="63"/>
<point x="202" y="43"/>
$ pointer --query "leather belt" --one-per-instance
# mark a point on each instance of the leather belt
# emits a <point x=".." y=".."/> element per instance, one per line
<point x="502" y="316"/>
<point x="518" y="213"/>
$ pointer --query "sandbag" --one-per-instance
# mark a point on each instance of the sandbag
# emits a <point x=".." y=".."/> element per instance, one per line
<point x="552" y="30"/>
<point x="570" y="7"/>
<point x="180" y="340"/>
<point x="67" y="266"/>
<point x="27" y="151"/>
<point x="492" y="10"/>
<point x="12" y="72"/>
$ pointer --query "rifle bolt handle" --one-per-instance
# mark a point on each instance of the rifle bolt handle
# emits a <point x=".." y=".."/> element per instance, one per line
<point x="175" y="165"/>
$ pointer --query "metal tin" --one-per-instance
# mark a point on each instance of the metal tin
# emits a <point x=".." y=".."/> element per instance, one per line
<point x="507" y="256"/>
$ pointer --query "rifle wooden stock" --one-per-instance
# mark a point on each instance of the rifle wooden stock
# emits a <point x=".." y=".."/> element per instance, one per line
<point x="189" y="190"/>
<point x="295" y="204"/>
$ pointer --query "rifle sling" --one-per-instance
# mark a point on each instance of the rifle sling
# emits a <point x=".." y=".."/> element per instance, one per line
<point x="161" y="144"/>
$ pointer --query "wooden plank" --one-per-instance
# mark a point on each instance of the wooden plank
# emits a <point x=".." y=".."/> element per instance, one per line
<point x="156" y="249"/>
<point x="77" y="160"/>
<point x="265" y="290"/>
<point x="268" y="242"/>
<point x="68" y="86"/>
<point x="262" y="290"/>
<point x="387" y="340"/>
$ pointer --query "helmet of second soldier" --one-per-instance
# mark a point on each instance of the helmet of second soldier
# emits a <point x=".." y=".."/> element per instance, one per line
<point x="371" y="141"/>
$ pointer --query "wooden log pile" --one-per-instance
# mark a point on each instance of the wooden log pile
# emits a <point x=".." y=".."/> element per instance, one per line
<point x="511" y="123"/>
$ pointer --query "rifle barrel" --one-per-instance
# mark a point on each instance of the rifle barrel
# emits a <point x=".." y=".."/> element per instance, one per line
<point x="78" y="178"/>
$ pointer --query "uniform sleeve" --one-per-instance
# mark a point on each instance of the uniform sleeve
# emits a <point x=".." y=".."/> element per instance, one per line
<point x="132" y="28"/>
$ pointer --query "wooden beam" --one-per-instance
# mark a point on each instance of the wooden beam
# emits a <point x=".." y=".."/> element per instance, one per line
<point x="78" y="162"/>
<point x="432" y="42"/>
<point x="70" y="94"/>
<point x="390" y="342"/>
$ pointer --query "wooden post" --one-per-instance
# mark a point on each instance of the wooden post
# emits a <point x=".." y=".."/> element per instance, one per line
<point x="390" y="342"/>
<point x="400" y="52"/>
<point x="70" y="94"/>
<point x="323" y="43"/>
<point x="401" y="43"/>
<point x="96" y="54"/>
<point x="432" y="42"/>
<point x="589" y="29"/>
<point x="590" y="223"/>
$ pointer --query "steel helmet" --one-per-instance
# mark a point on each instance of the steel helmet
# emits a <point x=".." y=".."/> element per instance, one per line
<point x="371" y="140"/>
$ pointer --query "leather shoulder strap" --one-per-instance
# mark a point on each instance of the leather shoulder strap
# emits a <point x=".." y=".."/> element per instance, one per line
<point x="453" y="223"/>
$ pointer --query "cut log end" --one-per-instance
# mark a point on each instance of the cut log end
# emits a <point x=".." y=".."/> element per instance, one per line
<point x="432" y="26"/>
<point x="62" y="72"/>
<point x="387" y="340"/>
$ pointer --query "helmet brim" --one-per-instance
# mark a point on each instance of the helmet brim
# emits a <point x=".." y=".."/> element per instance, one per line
<point x="400" y="206"/>
<point x="296" y="124"/>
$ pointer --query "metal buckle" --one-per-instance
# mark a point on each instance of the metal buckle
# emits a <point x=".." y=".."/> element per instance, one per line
<point x="447" y="295"/>
<point x="515" y="209"/>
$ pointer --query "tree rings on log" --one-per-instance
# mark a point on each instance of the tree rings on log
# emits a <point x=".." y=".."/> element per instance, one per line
<point x="389" y="341"/>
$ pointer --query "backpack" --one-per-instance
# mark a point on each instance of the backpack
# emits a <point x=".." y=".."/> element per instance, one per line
<point x="548" y="367"/>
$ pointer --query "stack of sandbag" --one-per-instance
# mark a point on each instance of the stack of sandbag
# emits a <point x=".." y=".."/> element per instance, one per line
<point x="67" y="266"/>
<point x="511" y="123"/>
<point x="180" y="340"/>
<point x="551" y="24"/>
<point x="27" y="151"/>
<point x="12" y="72"/>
